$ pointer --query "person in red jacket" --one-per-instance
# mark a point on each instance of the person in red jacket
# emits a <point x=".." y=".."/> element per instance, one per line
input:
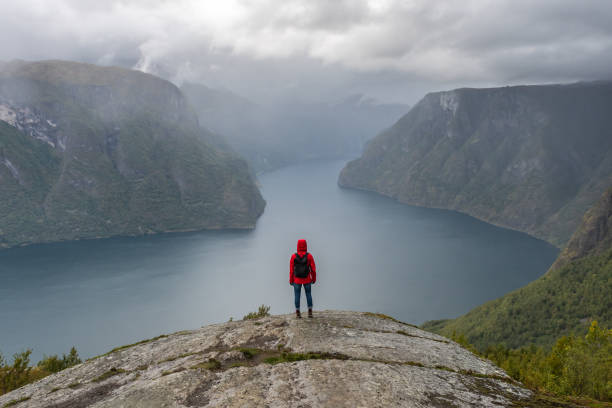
<point x="302" y="272"/>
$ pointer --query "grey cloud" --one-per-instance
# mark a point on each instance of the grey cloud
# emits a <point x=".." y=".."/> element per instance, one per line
<point x="322" y="48"/>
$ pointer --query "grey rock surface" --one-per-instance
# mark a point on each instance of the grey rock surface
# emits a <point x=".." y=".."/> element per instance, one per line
<point x="337" y="359"/>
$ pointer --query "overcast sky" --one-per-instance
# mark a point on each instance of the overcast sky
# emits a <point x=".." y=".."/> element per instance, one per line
<point x="322" y="49"/>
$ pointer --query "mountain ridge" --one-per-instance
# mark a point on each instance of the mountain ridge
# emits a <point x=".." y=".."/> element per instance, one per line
<point x="126" y="153"/>
<point x="529" y="158"/>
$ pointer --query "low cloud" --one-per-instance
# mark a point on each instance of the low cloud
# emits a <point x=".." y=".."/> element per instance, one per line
<point x="339" y="45"/>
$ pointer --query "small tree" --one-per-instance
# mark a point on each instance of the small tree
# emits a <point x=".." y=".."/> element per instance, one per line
<point x="54" y="364"/>
<point x="263" y="311"/>
<point x="12" y="377"/>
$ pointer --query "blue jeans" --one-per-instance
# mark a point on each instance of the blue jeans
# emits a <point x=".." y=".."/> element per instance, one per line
<point x="297" y="290"/>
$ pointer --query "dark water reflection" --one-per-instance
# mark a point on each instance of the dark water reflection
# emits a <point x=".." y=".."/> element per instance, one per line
<point x="373" y="254"/>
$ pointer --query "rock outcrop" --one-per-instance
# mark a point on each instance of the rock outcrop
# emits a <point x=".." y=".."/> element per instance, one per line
<point x="337" y="359"/>
<point x="594" y="235"/>
<point x="89" y="151"/>
<point x="530" y="158"/>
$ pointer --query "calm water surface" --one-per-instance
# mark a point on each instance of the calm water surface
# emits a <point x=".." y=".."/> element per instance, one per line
<point x="372" y="253"/>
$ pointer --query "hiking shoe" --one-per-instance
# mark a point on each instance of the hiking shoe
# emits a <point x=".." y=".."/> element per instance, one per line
<point x="310" y="313"/>
<point x="298" y="314"/>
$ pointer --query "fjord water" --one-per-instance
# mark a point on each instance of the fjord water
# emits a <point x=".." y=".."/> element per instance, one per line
<point x="373" y="254"/>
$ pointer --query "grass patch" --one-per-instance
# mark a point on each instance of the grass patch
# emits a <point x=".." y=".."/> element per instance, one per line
<point x="211" y="364"/>
<point x="292" y="357"/>
<point x="413" y="363"/>
<point x="441" y="367"/>
<point x="54" y="390"/>
<point x="74" y="385"/>
<point x="110" y="373"/>
<point x="263" y="311"/>
<point x="238" y="364"/>
<point x="15" y="402"/>
<point x="281" y="347"/>
<point x="176" y="370"/>
<point x="128" y="346"/>
<point x="177" y="357"/>
<point x="161" y="336"/>
<point x="249" y="353"/>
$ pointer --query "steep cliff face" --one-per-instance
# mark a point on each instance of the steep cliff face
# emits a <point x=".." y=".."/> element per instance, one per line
<point x="531" y="158"/>
<point x="576" y="290"/>
<point x="594" y="236"/>
<point x="88" y="151"/>
<point x="337" y="359"/>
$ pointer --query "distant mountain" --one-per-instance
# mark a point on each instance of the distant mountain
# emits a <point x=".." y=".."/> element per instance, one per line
<point x="576" y="290"/>
<point x="531" y="158"/>
<point x="273" y="136"/>
<point x="88" y="151"/>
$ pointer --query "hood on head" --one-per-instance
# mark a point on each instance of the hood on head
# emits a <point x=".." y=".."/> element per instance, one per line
<point x="302" y="246"/>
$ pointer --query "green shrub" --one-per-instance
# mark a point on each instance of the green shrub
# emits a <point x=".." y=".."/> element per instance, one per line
<point x="211" y="364"/>
<point x="108" y="374"/>
<point x="552" y="306"/>
<point x="249" y="353"/>
<point x="15" y="375"/>
<point x="54" y="364"/>
<point x="287" y="357"/>
<point x="20" y="373"/>
<point x="577" y="366"/>
<point x="263" y="311"/>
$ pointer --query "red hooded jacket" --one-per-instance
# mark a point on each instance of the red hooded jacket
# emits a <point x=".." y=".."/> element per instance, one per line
<point x="302" y="248"/>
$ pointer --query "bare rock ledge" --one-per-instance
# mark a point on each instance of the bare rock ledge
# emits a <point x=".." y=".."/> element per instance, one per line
<point x="337" y="359"/>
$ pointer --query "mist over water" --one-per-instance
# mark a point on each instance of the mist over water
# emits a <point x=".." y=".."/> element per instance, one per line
<point x="372" y="253"/>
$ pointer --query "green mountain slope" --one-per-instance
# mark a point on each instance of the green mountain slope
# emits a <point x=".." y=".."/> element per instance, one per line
<point x="530" y="158"/>
<point x="26" y="178"/>
<point x="102" y="151"/>
<point x="576" y="290"/>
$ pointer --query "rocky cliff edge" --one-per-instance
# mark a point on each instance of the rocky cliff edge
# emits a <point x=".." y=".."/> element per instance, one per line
<point x="337" y="359"/>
